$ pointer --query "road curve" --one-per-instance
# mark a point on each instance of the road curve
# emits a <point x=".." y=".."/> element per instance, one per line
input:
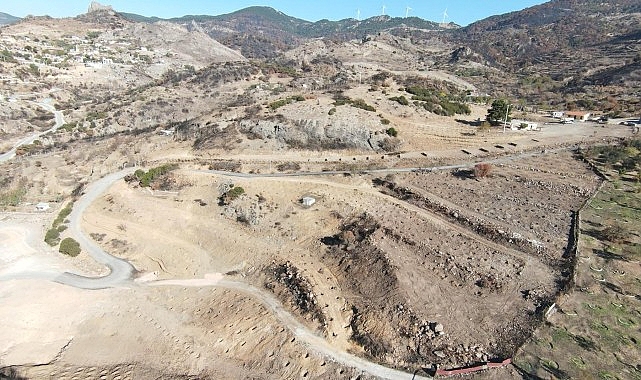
<point x="313" y="341"/>
<point x="60" y="121"/>
<point x="121" y="271"/>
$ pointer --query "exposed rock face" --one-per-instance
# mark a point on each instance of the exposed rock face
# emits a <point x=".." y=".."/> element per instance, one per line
<point x="97" y="7"/>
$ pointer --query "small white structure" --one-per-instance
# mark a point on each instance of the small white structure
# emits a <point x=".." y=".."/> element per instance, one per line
<point x="578" y="115"/>
<point x="308" y="201"/>
<point x="42" y="206"/>
<point x="558" y="114"/>
<point x="523" y="125"/>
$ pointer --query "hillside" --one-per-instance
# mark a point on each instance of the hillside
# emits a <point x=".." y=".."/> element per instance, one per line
<point x="260" y="32"/>
<point x="256" y="196"/>
<point x="6" y="19"/>
<point x="587" y="50"/>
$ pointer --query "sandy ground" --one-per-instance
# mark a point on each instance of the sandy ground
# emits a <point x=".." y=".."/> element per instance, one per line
<point x="185" y="234"/>
<point x="119" y="333"/>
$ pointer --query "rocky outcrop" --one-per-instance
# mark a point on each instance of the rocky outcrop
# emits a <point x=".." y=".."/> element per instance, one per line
<point x="97" y="7"/>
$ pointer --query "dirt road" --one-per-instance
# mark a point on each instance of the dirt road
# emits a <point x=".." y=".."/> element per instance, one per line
<point x="121" y="270"/>
<point x="312" y="340"/>
<point x="60" y="121"/>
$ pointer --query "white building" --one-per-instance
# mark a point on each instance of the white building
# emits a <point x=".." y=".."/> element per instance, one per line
<point x="578" y="115"/>
<point x="42" y="206"/>
<point x="523" y="125"/>
<point x="308" y="201"/>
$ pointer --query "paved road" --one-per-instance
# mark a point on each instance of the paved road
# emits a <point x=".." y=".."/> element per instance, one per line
<point x="60" y="121"/>
<point x="121" y="270"/>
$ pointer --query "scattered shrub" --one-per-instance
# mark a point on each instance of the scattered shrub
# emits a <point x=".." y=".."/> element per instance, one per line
<point x="389" y="144"/>
<point x="70" y="247"/>
<point x="385" y="122"/>
<point x="482" y="170"/>
<point x="12" y="197"/>
<point x="332" y="111"/>
<point x="52" y="236"/>
<point x="400" y="100"/>
<point x="293" y="166"/>
<point x="146" y="178"/>
<point x="392" y="132"/>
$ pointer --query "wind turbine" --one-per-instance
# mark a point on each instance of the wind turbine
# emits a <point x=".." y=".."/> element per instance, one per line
<point x="445" y="16"/>
<point x="407" y="11"/>
<point x="383" y="10"/>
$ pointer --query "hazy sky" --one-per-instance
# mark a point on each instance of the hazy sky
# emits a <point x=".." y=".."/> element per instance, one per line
<point x="461" y="12"/>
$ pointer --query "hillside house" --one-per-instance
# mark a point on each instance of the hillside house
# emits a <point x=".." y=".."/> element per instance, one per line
<point x="558" y="114"/>
<point x="578" y="115"/>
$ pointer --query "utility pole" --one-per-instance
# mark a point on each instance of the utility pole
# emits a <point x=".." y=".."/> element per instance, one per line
<point x="507" y="112"/>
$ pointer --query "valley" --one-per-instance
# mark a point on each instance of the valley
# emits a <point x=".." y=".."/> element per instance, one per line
<point x="176" y="205"/>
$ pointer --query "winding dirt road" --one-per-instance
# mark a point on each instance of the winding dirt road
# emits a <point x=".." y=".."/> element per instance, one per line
<point x="121" y="271"/>
<point x="60" y="121"/>
<point x="121" y="274"/>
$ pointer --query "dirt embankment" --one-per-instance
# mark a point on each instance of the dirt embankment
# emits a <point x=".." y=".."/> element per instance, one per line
<point x="286" y="281"/>
<point x="382" y="323"/>
<point x="405" y="330"/>
<point x="479" y="226"/>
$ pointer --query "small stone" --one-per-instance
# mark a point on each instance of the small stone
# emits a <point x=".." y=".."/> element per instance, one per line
<point x="439" y="354"/>
<point x="438" y="328"/>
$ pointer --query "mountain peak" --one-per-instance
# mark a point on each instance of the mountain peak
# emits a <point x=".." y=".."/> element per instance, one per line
<point x="97" y="7"/>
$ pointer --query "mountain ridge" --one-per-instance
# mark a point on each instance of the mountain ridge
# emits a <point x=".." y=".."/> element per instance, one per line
<point x="280" y="31"/>
<point x="7" y="19"/>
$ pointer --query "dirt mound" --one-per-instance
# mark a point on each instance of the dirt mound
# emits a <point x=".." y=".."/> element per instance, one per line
<point x="288" y="283"/>
<point x="378" y="262"/>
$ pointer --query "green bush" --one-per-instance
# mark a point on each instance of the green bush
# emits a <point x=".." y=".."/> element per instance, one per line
<point x="340" y="100"/>
<point x="392" y="132"/>
<point x="385" y="121"/>
<point x="69" y="246"/>
<point x="64" y="213"/>
<point x="235" y="192"/>
<point x="52" y="236"/>
<point x="279" y="103"/>
<point x="146" y="178"/>
<point x="400" y="100"/>
<point x="332" y="111"/>
<point x="360" y="103"/>
<point x="283" y="102"/>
